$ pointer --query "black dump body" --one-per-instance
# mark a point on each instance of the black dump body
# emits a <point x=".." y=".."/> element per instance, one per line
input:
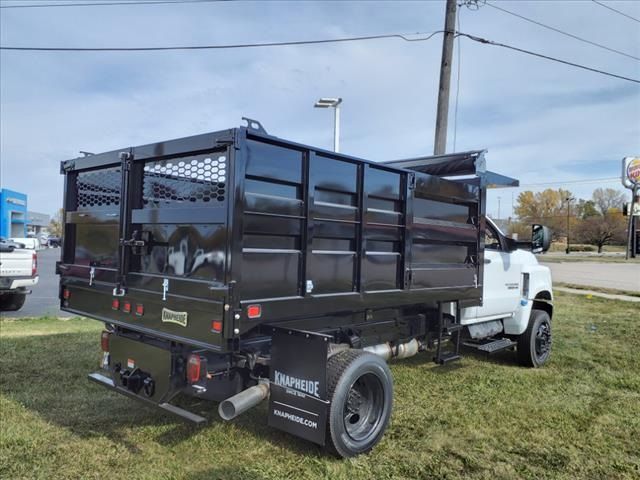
<point x="190" y="233"/>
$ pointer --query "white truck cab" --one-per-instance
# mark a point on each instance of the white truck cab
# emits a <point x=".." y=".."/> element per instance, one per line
<point x="517" y="300"/>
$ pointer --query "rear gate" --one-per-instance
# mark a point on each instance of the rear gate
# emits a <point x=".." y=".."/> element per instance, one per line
<point x="152" y="233"/>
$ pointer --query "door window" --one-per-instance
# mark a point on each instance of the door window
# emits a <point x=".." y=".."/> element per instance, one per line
<point x="491" y="238"/>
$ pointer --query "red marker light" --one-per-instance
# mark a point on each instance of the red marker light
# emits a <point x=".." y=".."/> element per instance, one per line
<point x="66" y="294"/>
<point x="254" y="311"/>
<point x="216" y="326"/>
<point x="115" y="304"/>
<point x="34" y="264"/>
<point x="104" y="341"/>
<point x="139" y="309"/>
<point x="193" y="368"/>
<point x="126" y="307"/>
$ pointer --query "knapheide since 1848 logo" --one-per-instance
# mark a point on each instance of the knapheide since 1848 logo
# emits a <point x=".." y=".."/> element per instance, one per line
<point x="633" y="170"/>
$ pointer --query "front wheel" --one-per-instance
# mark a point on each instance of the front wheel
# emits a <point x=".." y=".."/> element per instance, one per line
<point x="534" y="345"/>
<point x="361" y="395"/>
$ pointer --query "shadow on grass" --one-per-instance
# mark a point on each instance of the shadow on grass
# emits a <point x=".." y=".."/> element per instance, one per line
<point x="506" y="358"/>
<point x="47" y="374"/>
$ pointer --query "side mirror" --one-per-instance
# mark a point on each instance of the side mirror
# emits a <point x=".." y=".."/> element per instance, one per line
<point x="540" y="238"/>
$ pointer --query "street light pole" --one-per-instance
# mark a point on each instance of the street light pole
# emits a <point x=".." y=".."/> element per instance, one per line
<point x="569" y="200"/>
<point x="336" y="127"/>
<point x="335" y="104"/>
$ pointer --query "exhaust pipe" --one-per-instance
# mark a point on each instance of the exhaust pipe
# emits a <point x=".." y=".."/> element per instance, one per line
<point x="403" y="350"/>
<point x="243" y="401"/>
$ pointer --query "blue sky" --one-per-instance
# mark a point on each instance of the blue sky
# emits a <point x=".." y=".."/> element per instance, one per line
<point x="540" y="121"/>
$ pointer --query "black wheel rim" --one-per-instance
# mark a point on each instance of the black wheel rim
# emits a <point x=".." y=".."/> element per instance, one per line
<point x="543" y="340"/>
<point x="364" y="407"/>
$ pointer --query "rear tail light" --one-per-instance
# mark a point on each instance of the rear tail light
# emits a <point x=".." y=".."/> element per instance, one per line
<point x="115" y="304"/>
<point x="139" y="309"/>
<point x="254" y="311"/>
<point x="193" y="368"/>
<point x="216" y="326"/>
<point x="126" y="307"/>
<point x="104" y="341"/>
<point x="34" y="264"/>
<point x="66" y="294"/>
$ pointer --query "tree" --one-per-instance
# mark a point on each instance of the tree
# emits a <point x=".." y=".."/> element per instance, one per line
<point x="586" y="209"/>
<point x="55" y="225"/>
<point x="521" y="229"/>
<point x="607" y="199"/>
<point x="548" y="207"/>
<point x="601" y="230"/>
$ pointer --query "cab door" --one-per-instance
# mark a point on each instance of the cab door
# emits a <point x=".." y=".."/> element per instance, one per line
<point x="501" y="278"/>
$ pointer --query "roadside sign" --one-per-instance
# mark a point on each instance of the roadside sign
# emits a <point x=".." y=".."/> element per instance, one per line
<point x="631" y="171"/>
<point x="631" y="180"/>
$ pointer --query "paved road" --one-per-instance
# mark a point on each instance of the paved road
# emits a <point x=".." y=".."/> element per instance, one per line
<point x="44" y="297"/>
<point x="621" y="276"/>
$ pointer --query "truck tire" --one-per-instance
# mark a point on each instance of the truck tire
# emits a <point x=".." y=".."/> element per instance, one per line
<point x="12" y="302"/>
<point x="360" y="390"/>
<point x="534" y="345"/>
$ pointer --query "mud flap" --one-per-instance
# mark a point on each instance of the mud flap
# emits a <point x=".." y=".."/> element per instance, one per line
<point x="298" y="402"/>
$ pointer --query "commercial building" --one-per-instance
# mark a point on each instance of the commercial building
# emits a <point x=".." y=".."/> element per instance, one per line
<point x="38" y="223"/>
<point x="13" y="214"/>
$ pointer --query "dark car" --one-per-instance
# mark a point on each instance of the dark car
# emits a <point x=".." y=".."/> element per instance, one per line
<point x="54" y="242"/>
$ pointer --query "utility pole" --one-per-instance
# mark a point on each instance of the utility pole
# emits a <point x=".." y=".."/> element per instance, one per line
<point x="499" y="198"/>
<point x="440" y="142"/>
<point x="569" y="200"/>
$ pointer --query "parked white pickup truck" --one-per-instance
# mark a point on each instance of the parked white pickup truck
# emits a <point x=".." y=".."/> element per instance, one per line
<point x="18" y="272"/>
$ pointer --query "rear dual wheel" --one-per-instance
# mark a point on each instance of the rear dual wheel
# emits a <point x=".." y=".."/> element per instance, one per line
<point x="361" y="394"/>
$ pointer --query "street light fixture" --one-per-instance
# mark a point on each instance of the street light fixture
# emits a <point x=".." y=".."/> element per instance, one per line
<point x="335" y="103"/>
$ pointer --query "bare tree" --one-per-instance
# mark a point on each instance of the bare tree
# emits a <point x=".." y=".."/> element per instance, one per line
<point x="607" y="199"/>
<point x="602" y="230"/>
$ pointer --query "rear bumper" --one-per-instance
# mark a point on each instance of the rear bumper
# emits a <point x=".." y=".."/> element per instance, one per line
<point x="17" y="283"/>
<point x="180" y="412"/>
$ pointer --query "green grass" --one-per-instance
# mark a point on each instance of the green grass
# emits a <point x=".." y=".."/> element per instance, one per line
<point x="579" y="417"/>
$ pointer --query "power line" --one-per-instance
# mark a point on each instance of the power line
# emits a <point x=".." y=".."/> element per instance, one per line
<point x="546" y="57"/>
<point x="562" y="32"/>
<point x="103" y="4"/>
<point x="401" y="36"/>
<point x="617" y="11"/>
<point x="572" y="182"/>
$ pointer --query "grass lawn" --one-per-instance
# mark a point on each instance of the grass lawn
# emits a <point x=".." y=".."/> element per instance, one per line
<point x="579" y="417"/>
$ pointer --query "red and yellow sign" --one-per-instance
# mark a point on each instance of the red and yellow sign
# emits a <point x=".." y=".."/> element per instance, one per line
<point x="633" y="170"/>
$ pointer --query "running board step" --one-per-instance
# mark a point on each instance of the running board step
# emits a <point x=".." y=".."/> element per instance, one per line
<point x="447" y="357"/>
<point x="491" y="347"/>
